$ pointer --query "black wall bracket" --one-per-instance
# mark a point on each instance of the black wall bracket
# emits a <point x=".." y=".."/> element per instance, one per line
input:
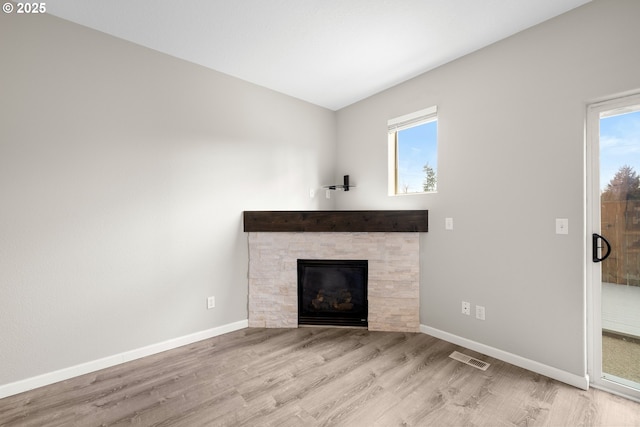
<point x="344" y="186"/>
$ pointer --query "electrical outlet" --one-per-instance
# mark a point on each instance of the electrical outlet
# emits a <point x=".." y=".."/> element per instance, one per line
<point x="562" y="226"/>
<point x="211" y="302"/>
<point x="312" y="193"/>
<point x="466" y="308"/>
<point x="480" y="312"/>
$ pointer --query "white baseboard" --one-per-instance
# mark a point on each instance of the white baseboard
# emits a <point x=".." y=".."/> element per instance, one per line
<point x="531" y="365"/>
<point x="95" y="365"/>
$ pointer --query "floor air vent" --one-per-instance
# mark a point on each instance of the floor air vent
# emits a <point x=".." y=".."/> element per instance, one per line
<point x="469" y="360"/>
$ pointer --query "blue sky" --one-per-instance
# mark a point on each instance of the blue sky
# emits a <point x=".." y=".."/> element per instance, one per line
<point x="416" y="147"/>
<point x="619" y="145"/>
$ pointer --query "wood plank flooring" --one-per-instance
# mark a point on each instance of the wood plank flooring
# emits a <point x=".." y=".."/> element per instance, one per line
<point x="315" y="377"/>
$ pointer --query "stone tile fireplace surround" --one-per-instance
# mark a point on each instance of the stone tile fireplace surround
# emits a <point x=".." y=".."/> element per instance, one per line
<point x="394" y="272"/>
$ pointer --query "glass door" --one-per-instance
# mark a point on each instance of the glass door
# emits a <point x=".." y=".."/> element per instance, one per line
<point x="615" y="240"/>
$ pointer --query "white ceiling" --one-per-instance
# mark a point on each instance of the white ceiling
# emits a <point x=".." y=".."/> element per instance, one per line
<point x="329" y="52"/>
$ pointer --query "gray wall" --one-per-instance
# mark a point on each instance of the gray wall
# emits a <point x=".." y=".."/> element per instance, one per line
<point x="124" y="172"/>
<point x="123" y="176"/>
<point x="511" y="160"/>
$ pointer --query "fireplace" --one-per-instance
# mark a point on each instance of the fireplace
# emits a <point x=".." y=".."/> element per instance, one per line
<point x="332" y="292"/>
<point x="392" y="283"/>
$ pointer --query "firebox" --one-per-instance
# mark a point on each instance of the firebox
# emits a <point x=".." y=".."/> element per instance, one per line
<point x="332" y="292"/>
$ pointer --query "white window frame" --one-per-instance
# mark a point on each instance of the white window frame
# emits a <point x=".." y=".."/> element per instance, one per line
<point x="407" y="121"/>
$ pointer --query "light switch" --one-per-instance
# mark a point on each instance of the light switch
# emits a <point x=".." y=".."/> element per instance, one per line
<point x="448" y="223"/>
<point x="562" y="226"/>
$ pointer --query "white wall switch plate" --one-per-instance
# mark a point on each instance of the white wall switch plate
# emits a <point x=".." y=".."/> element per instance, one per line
<point x="448" y="223"/>
<point x="327" y="194"/>
<point x="562" y="226"/>
<point x="312" y="193"/>
<point x="480" y="312"/>
<point x="211" y="302"/>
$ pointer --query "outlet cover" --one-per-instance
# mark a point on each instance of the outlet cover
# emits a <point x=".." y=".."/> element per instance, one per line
<point x="562" y="226"/>
<point x="480" y="312"/>
<point x="466" y="308"/>
<point x="211" y="302"/>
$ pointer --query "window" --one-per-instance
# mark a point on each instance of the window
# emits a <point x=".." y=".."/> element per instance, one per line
<point x="413" y="152"/>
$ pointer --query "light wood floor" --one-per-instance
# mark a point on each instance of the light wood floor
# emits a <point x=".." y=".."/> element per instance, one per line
<point x="315" y="377"/>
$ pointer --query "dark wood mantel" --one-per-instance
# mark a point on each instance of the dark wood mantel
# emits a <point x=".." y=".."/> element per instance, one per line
<point x="337" y="221"/>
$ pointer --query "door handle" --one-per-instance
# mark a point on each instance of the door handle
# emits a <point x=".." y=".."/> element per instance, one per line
<point x="596" y="237"/>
